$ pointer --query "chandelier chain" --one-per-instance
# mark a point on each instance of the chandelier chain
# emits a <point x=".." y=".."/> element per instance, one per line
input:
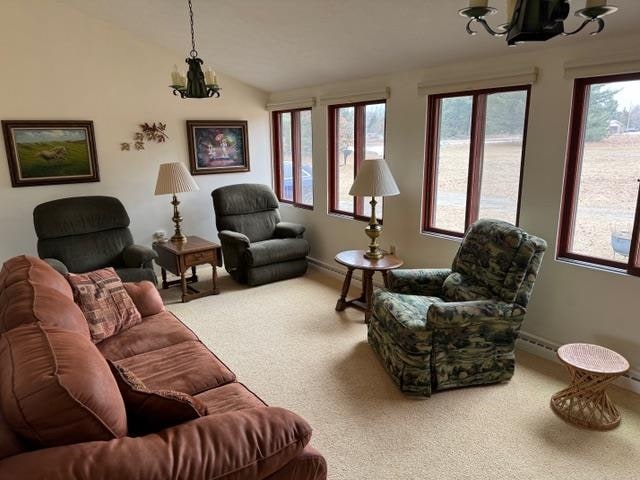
<point x="194" y="52"/>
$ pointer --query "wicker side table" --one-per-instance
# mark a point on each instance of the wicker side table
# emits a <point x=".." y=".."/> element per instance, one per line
<point x="585" y="402"/>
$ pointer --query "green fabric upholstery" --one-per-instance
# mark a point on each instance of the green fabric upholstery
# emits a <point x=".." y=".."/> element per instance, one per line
<point x="275" y="251"/>
<point x="88" y="233"/>
<point x="256" y="246"/>
<point x="440" y="329"/>
<point x="404" y="318"/>
<point x="57" y="265"/>
<point x="288" y="230"/>
<point x="251" y="209"/>
<point x="418" y="281"/>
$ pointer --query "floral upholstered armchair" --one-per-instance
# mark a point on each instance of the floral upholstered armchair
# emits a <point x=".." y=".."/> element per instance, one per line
<point x="445" y="328"/>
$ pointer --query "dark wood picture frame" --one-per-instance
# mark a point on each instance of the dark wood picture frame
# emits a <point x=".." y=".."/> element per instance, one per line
<point x="222" y="151"/>
<point x="49" y="154"/>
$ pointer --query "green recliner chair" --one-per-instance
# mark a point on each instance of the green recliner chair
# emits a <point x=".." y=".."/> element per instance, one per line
<point x="81" y="234"/>
<point x="436" y="329"/>
<point x="257" y="246"/>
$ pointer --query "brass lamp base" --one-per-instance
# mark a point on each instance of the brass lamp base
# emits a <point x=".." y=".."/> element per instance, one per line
<point x="373" y="231"/>
<point x="182" y="238"/>
<point x="178" y="236"/>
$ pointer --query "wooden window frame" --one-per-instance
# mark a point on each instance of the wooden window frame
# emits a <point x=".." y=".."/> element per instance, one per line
<point x="476" y="152"/>
<point x="296" y="151"/>
<point x="359" y="141"/>
<point x="571" y="185"/>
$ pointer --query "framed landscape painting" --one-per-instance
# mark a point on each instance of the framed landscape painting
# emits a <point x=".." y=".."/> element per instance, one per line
<point x="50" y="152"/>
<point x="218" y="146"/>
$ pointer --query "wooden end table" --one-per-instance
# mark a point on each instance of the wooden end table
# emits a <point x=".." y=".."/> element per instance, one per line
<point x="179" y="257"/>
<point x="355" y="259"/>
<point x="585" y="402"/>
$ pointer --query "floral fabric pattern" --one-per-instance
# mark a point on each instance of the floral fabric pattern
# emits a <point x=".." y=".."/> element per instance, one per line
<point x="428" y="342"/>
<point x="424" y="281"/>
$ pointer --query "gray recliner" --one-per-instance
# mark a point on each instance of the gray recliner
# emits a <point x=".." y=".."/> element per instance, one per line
<point x="257" y="247"/>
<point x="81" y="234"/>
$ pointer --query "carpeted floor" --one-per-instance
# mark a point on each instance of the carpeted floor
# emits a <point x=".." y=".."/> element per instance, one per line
<point x="286" y="342"/>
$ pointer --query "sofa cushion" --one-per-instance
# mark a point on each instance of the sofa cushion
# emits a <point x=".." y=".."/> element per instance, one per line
<point x="10" y="443"/>
<point x="229" y="397"/>
<point x="35" y="270"/>
<point x="404" y="318"/>
<point x="105" y="302"/>
<point x="146" y="297"/>
<point x="276" y="250"/>
<point x="56" y="388"/>
<point x="153" y="410"/>
<point x="31" y="291"/>
<point x="461" y="288"/>
<point x="187" y="367"/>
<point x="155" y="332"/>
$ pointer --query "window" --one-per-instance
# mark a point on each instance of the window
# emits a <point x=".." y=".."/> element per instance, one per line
<point x="356" y="133"/>
<point x="475" y="151"/>
<point x="600" y="214"/>
<point x="293" y="155"/>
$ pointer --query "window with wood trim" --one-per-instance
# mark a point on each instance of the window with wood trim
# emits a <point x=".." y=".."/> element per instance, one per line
<point x="293" y="157"/>
<point x="474" y="157"/>
<point x="356" y="133"/>
<point x="600" y="214"/>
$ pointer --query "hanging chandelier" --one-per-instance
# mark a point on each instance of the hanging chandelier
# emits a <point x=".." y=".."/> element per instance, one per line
<point x="195" y="84"/>
<point x="535" y="20"/>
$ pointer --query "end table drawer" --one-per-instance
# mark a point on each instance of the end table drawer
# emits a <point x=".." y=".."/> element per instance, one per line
<point x="199" y="257"/>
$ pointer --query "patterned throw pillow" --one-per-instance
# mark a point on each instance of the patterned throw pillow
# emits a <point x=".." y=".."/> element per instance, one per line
<point x="105" y="302"/>
<point x="149" y="410"/>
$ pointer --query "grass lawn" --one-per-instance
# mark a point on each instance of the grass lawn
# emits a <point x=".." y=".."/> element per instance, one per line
<point x="74" y="162"/>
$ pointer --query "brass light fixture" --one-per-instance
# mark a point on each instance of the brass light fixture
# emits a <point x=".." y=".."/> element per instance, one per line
<point x="175" y="178"/>
<point x="535" y="20"/>
<point x="374" y="179"/>
<point x="196" y="84"/>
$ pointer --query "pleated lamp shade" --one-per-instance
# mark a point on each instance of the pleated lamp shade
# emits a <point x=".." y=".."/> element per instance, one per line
<point x="175" y="178"/>
<point x="374" y="179"/>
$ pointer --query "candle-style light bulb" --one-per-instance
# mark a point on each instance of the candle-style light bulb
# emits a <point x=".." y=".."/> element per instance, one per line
<point x="209" y="76"/>
<point x="511" y="7"/>
<point x="175" y="76"/>
<point x="596" y="3"/>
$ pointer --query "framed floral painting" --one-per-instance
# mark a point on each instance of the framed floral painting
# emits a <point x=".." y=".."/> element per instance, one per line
<point x="218" y="146"/>
<point x="50" y="152"/>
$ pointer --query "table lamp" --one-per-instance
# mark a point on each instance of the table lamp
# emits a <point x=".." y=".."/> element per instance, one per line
<point x="374" y="179"/>
<point x="175" y="178"/>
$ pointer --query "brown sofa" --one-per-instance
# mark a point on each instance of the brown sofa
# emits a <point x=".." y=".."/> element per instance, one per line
<point x="240" y="438"/>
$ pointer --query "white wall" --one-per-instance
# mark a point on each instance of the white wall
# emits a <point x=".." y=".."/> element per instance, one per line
<point x="59" y="64"/>
<point x="570" y="303"/>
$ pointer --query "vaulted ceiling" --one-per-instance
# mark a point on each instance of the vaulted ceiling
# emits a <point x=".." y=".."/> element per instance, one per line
<point x="282" y="44"/>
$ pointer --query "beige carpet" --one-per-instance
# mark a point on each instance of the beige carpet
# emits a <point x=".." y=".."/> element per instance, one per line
<point x="286" y="342"/>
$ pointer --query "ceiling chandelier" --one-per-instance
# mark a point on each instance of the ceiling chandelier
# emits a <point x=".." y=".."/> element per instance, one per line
<point x="195" y="84"/>
<point x="535" y="20"/>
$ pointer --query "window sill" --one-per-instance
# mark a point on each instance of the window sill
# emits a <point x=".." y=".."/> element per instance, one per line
<point x="350" y="216"/>
<point x="594" y="266"/>
<point x="444" y="235"/>
<point x="295" y="205"/>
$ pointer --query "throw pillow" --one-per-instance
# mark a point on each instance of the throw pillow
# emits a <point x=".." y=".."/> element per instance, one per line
<point x="153" y="410"/>
<point x="56" y="388"/>
<point x="146" y="297"/>
<point x="105" y="302"/>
